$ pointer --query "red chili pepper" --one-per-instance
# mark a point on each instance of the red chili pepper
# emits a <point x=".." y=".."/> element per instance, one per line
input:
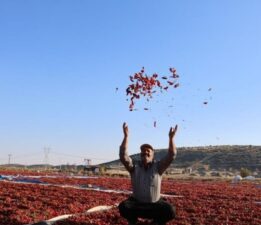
<point x="144" y="85"/>
<point x="131" y="79"/>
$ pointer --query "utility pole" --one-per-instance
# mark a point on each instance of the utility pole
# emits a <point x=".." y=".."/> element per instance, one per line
<point x="46" y="156"/>
<point x="9" y="158"/>
<point x="88" y="162"/>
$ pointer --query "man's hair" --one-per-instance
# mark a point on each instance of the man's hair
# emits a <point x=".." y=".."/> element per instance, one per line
<point x="146" y="146"/>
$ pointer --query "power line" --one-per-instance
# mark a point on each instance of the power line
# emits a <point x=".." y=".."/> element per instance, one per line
<point x="69" y="155"/>
<point x="28" y="155"/>
<point x="31" y="157"/>
<point x="77" y="156"/>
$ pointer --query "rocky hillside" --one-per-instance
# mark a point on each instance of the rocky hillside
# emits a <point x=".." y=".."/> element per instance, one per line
<point x="229" y="157"/>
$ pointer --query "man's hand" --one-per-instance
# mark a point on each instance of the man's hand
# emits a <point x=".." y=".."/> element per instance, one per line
<point x="172" y="152"/>
<point x="125" y="130"/>
<point x="172" y="132"/>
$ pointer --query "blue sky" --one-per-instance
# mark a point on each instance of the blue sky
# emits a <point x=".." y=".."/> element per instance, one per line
<point x="61" y="62"/>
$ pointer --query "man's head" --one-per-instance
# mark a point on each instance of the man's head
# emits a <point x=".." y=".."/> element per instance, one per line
<point x="146" y="154"/>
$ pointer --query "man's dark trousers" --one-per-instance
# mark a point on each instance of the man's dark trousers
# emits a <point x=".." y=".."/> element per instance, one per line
<point x="160" y="211"/>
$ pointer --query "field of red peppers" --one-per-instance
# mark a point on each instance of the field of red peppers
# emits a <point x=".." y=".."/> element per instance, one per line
<point x="200" y="202"/>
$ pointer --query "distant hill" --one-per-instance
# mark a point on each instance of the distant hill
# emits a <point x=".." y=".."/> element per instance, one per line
<point x="229" y="157"/>
<point x="13" y="165"/>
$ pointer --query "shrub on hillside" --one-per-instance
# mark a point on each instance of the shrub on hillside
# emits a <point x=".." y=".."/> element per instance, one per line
<point x="244" y="172"/>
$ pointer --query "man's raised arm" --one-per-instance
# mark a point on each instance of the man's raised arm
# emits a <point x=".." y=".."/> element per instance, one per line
<point x="124" y="157"/>
<point x="172" y="151"/>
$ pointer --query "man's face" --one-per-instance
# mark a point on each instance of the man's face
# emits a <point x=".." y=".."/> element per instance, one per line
<point x="147" y="155"/>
